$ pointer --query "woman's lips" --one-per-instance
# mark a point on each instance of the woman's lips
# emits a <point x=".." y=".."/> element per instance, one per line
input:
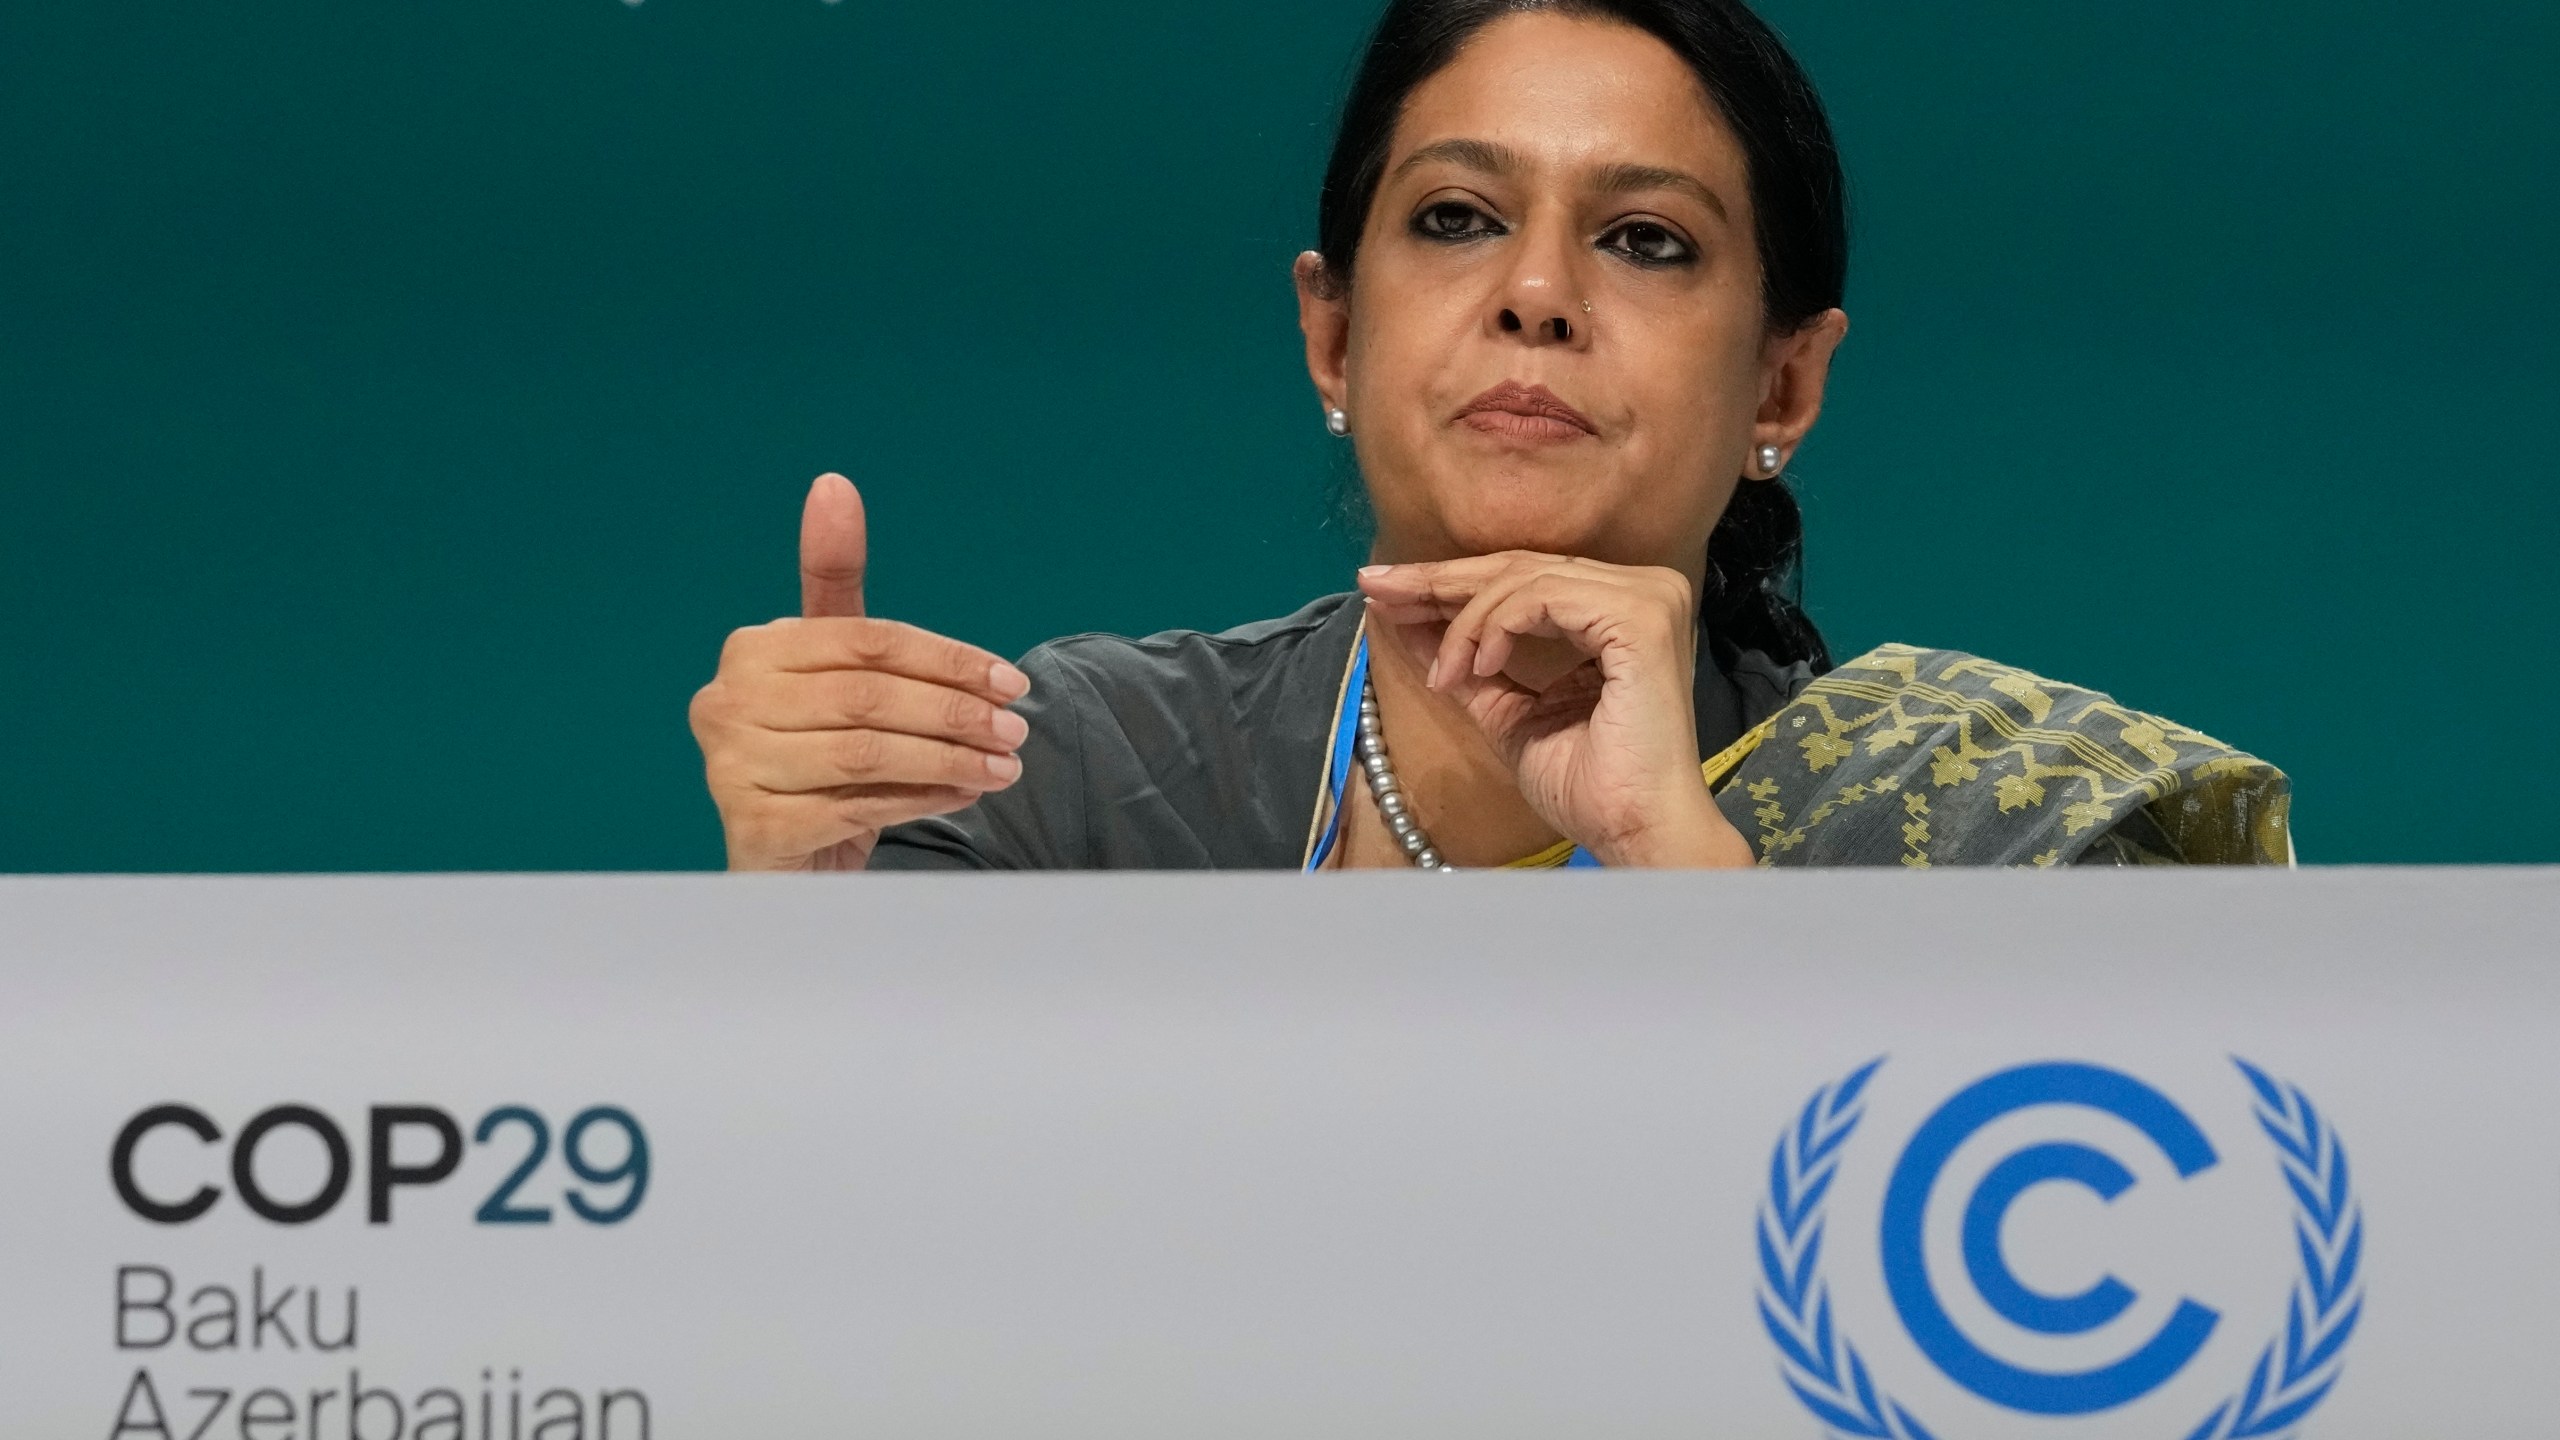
<point x="1525" y="412"/>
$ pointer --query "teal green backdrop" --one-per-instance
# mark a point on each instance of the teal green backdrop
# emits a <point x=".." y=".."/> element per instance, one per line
<point x="398" y="403"/>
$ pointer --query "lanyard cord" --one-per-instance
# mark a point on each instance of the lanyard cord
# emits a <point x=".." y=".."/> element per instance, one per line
<point x="1337" y="775"/>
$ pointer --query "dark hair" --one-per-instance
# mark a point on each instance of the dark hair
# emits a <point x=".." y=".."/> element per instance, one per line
<point x="1754" y="559"/>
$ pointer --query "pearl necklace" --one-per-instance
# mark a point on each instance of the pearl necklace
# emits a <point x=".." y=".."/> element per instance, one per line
<point x="1371" y="746"/>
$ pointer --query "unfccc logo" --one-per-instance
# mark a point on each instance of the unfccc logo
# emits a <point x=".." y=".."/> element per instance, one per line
<point x="1827" y="1372"/>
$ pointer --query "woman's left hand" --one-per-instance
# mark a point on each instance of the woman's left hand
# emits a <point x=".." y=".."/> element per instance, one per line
<point x="1581" y="674"/>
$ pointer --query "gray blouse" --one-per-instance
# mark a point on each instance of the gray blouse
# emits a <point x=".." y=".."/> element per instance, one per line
<point x="1192" y="751"/>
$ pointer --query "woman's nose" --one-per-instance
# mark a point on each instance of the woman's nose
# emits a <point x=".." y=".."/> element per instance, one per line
<point x="1541" y="301"/>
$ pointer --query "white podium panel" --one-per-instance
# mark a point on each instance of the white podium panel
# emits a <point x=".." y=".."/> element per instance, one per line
<point x="2190" y="1156"/>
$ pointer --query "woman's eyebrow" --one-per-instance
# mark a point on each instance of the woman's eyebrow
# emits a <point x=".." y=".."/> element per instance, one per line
<point x="1482" y="155"/>
<point x="1495" y="159"/>
<point x="1620" y="179"/>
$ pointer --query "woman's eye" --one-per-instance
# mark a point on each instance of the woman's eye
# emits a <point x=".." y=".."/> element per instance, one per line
<point x="1649" y="244"/>
<point x="1451" y="220"/>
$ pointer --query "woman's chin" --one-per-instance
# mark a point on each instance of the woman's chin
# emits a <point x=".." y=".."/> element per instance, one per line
<point x="1556" y="534"/>
<point x="1552" y="513"/>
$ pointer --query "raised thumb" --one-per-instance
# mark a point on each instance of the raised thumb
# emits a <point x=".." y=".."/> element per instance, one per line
<point x="834" y="548"/>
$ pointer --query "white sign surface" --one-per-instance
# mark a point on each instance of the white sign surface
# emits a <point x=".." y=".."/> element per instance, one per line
<point x="2181" y="1155"/>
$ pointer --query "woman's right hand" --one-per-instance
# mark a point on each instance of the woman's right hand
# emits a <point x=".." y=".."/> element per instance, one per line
<point x="821" y="731"/>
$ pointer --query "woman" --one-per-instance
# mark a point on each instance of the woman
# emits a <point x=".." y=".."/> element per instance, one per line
<point x="1575" y="298"/>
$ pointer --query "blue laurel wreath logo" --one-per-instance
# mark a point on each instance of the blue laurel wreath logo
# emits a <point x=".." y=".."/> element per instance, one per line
<point x="2293" y="1374"/>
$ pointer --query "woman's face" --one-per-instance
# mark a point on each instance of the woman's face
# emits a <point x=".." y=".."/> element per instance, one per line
<point x="1554" y="336"/>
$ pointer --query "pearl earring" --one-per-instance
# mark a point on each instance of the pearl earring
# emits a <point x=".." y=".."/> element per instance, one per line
<point x="1337" y="423"/>
<point x="1771" y="459"/>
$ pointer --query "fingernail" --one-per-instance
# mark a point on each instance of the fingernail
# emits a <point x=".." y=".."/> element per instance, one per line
<point x="1374" y="570"/>
<point x="1004" y="767"/>
<point x="1431" y="677"/>
<point x="1008" y="682"/>
<point x="1010" y="728"/>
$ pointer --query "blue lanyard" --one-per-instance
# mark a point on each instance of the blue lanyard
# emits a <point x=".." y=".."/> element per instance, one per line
<point x="1337" y="775"/>
<point x="1346" y="728"/>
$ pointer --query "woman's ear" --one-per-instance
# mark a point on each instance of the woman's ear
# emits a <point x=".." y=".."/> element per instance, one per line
<point x="1324" y="316"/>
<point x="1794" y="368"/>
